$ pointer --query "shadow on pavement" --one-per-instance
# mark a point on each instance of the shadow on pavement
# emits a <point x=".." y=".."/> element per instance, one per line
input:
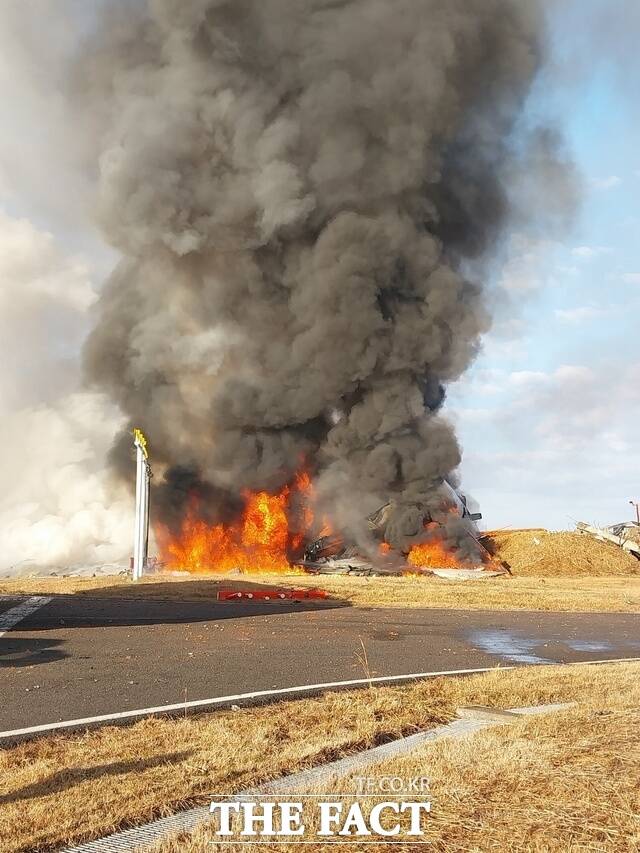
<point x="191" y="590"/>
<point x="28" y="651"/>
<point x="164" y="604"/>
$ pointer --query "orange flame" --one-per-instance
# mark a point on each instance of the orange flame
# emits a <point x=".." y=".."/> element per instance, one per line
<point x="260" y="542"/>
<point x="434" y="553"/>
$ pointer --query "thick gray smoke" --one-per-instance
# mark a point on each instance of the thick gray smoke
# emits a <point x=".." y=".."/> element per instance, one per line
<point x="298" y="188"/>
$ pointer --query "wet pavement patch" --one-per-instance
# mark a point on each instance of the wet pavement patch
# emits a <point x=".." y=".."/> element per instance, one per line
<point x="508" y="645"/>
<point x="589" y="646"/>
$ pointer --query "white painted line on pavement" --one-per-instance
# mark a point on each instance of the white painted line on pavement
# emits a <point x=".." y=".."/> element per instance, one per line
<point x="285" y="692"/>
<point x="10" y="618"/>
<point x="239" y="697"/>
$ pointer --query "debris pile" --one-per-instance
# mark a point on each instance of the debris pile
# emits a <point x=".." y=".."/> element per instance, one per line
<point x="543" y="552"/>
<point x="625" y="535"/>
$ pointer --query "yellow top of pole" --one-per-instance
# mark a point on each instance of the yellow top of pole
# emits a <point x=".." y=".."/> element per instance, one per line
<point x="140" y="441"/>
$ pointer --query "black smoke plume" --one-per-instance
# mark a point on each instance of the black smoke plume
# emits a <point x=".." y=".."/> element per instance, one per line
<point x="298" y="189"/>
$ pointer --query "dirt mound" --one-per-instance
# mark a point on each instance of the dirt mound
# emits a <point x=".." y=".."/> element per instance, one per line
<point x="543" y="552"/>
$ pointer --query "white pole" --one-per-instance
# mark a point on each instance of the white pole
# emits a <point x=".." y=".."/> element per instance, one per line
<point x="141" y="529"/>
<point x="147" y="485"/>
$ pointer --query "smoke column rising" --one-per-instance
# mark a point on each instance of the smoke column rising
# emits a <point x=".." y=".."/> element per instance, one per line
<point x="298" y="189"/>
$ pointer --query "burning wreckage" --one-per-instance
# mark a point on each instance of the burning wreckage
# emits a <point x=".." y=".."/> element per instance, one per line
<point x="333" y="554"/>
<point x="283" y="534"/>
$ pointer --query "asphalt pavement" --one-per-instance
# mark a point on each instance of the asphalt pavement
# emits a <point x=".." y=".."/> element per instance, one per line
<point x="81" y="656"/>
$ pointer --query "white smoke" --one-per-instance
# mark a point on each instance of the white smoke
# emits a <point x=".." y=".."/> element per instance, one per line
<point x="58" y="504"/>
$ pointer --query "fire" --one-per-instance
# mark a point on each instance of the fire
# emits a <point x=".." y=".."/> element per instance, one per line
<point x="434" y="553"/>
<point x="261" y="541"/>
<point x="271" y="534"/>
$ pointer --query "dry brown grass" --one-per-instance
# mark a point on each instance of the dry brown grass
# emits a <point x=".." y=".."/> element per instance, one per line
<point x="613" y="594"/>
<point x="68" y="788"/>
<point x="543" y="553"/>
<point x="561" y="783"/>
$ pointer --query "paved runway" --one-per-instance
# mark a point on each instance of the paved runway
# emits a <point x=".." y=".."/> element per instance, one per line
<point x="79" y="656"/>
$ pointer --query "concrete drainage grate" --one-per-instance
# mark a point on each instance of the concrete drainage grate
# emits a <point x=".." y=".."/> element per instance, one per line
<point x="142" y="837"/>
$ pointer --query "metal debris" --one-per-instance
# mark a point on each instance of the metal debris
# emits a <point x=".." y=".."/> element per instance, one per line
<point x="626" y="535"/>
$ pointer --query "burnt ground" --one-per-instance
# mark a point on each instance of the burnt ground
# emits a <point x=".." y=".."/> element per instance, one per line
<point x="81" y="656"/>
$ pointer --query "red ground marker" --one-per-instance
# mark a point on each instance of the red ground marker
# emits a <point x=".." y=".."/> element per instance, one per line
<point x="275" y="594"/>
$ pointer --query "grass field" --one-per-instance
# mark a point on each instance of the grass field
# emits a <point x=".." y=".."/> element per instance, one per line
<point x="560" y="783"/>
<point x="64" y="789"/>
<point x="616" y="593"/>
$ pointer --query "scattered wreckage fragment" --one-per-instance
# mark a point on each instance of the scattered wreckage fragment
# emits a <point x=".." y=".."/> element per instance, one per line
<point x="626" y="535"/>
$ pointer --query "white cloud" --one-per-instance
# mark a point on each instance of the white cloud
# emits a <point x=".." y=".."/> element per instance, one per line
<point x="44" y="302"/>
<point x="40" y="147"/>
<point x="522" y="378"/>
<point x="578" y="315"/>
<point x="631" y="278"/>
<point x="504" y="350"/>
<point x="31" y="263"/>
<point x="573" y="373"/>
<point x="482" y="382"/>
<point x="525" y="267"/>
<point x="558" y="448"/>
<point x="607" y="183"/>
<point x="568" y="270"/>
<point x="589" y="252"/>
<point x="472" y="416"/>
<point x="5" y="190"/>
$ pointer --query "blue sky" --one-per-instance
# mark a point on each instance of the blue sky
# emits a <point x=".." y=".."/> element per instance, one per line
<point x="548" y="416"/>
<point x="549" y="413"/>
